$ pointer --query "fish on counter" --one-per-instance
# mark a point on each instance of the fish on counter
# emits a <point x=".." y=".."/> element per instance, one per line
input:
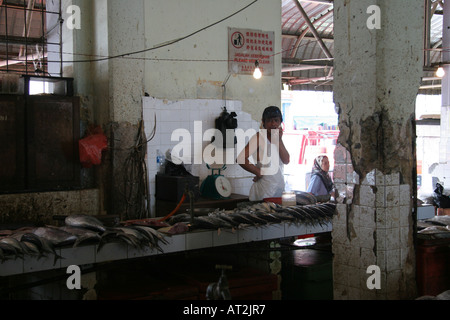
<point x="137" y="236"/>
<point x="439" y="220"/>
<point x="259" y="214"/>
<point x="56" y="236"/>
<point x="33" y="242"/>
<point x="36" y="245"/>
<point x="85" y="221"/>
<point x="177" y="228"/>
<point x="9" y="251"/>
<point x="84" y="229"/>
<point x="85" y="236"/>
<point x="435" y="229"/>
<point x="78" y="230"/>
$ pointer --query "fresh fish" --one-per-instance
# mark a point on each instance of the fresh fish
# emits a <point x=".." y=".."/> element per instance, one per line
<point x="422" y="224"/>
<point x="204" y="222"/>
<point x="137" y="237"/>
<point x="130" y="236"/>
<point x="55" y="236"/>
<point x="308" y="213"/>
<point x="271" y="218"/>
<point x="116" y="236"/>
<point x="18" y="246"/>
<point x="177" y="228"/>
<point x="272" y="206"/>
<point x="8" y="251"/>
<point x="83" y="235"/>
<point x="296" y="212"/>
<point x="326" y="211"/>
<point x="158" y="235"/>
<point x="219" y="222"/>
<point x="283" y="216"/>
<point x="225" y="216"/>
<point x="152" y="234"/>
<point x="34" y="239"/>
<point x="434" y="229"/>
<point x="440" y="220"/>
<point x="182" y="217"/>
<point x="6" y="233"/>
<point x="107" y="237"/>
<point x="11" y="241"/>
<point x="240" y="218"/>
<point x="330" y="207"/>
<point x="147" y="236"/>
<point x="317" y="215"/>
<point x="257" y="218"/>
<point x="32" y="248"/>
<point x="263" y="206"/>
<point x="84" y="221"/>
<point x="130" y="239"/>
<point x="51" y="237"/>
<point x="305" y="198"/>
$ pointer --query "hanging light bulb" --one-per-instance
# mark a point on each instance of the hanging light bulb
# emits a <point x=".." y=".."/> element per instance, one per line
<point x="257" y="74"/>
<point x="440" y="72"/>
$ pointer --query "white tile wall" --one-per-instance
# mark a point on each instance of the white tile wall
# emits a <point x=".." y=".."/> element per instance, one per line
<point x="183" y="114"/>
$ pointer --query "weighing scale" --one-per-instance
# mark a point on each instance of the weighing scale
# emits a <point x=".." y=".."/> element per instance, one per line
<point x="216" y="186"/>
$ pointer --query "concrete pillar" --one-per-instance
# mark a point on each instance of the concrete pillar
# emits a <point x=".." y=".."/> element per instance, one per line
<point x="118" y="29"/>
<point x="444" y="155"/>
<point x="126" y="88"/>
<point x="378" y="67"/>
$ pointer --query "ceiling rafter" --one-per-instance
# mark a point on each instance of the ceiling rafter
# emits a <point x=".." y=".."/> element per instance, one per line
<point x="300" y="61"/>
<point x="300" y="37"/>
<point x="313" y="29"/>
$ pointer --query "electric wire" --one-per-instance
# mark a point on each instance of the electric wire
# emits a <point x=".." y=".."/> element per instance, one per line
<point x="174" y="59"/>
<point x="98" y="58"/>
<point x="167" y="43"/>
<point x="135" y="176"/>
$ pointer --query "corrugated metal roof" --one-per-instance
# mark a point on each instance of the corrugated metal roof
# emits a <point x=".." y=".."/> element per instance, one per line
<point x="305" y="63"/>
<point x="302" y="51"/>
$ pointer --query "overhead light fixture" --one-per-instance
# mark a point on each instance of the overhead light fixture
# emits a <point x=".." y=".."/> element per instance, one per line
<point x="257" y="74"/>
<point x="440" y="72"/>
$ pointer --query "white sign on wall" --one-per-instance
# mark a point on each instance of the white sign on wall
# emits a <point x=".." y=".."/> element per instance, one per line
<point x="246" y="46"/>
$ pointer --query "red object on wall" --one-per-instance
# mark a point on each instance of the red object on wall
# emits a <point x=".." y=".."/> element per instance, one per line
<point x="91" y="148"/>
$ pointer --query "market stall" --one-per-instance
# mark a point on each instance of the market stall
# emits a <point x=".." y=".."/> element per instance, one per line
<point x="86" y="240"/>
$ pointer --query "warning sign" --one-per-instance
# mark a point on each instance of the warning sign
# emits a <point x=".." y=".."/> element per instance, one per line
<point x="247" y="46"/>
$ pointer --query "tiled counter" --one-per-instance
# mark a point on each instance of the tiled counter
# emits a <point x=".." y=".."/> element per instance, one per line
<point x="85" y="255"/>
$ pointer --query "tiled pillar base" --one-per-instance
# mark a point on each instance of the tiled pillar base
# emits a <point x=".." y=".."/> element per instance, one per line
<point x="373" y="227"/>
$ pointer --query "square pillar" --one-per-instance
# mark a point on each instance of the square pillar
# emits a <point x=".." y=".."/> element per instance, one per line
<point x="378" y="68"/>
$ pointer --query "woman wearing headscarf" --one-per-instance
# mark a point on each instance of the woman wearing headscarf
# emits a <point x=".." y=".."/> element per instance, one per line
<point x="321" y="183"/>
